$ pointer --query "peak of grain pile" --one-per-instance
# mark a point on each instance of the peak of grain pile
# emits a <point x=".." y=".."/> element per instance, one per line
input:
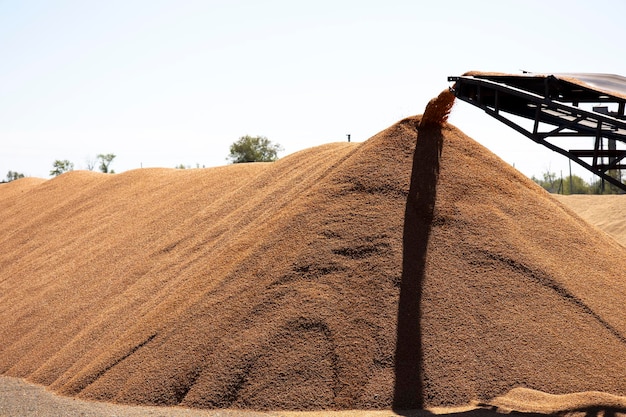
<point x="414" y="269"/>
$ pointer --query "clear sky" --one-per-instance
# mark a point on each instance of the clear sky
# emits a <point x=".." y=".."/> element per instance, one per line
<point x="166" y="82"/>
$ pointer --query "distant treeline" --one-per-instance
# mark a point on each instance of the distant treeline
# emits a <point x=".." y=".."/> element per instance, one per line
<point x="576" y="185"/>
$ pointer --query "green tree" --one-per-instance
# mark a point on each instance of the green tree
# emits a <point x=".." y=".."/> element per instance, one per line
<point x="598" y="187"/>
<point x="61" y="166"/>
<point x="549" y="182"/>
<point x="12" y="176"/>
<point x="105" y="162"/>
<point x="254" y="149"/>
<point x="578" y="185"/>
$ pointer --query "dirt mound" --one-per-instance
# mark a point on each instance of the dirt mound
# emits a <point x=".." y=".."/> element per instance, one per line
<point x="399" y="272"/>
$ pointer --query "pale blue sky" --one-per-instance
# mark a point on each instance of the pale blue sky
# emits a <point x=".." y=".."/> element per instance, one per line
<point x="161" y="83"/>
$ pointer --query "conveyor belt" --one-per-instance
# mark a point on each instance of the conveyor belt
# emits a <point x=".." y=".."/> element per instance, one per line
<point x="553" y="103"/>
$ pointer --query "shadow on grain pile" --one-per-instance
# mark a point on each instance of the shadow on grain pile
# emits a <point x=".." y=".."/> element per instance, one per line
<point x="418" y="217"/>
<point x="414" y="270"/>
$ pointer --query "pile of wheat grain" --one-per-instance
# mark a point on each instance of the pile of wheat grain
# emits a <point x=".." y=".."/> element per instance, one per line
<point x="415" y="269"/>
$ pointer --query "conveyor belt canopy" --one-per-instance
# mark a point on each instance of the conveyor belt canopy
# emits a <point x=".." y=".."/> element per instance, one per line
<point x="559" y="106"/>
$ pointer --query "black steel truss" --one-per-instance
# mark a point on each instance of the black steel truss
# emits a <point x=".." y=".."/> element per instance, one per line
<point x="553" y="105"/>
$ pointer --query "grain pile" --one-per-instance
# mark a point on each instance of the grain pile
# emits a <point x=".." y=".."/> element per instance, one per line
<point x="607" y="212"/>
<point x="287" y="285"/>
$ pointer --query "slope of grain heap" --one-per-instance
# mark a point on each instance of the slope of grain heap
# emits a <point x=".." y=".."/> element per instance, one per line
<point x="287" y="285"/>
<point x="607" y="212"/>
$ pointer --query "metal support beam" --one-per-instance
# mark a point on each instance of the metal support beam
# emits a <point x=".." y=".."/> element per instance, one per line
<point x="553" y="118"/>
